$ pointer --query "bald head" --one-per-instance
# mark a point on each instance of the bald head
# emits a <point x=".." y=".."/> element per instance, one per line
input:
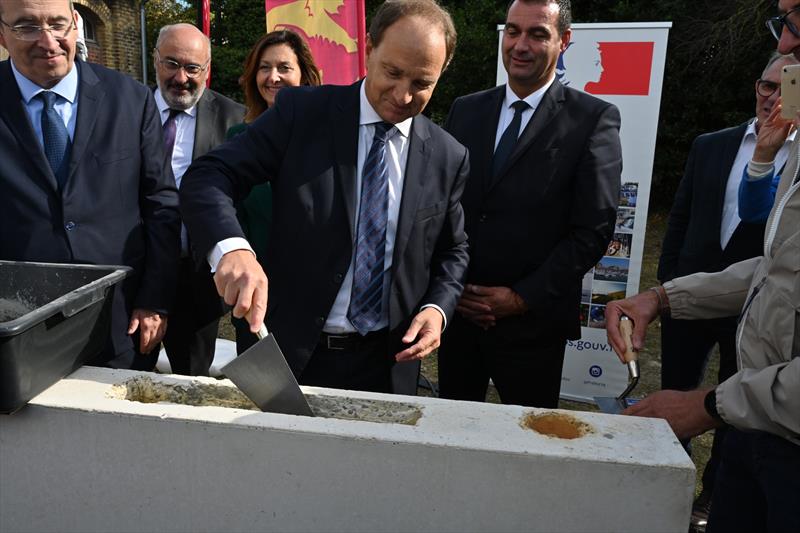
<point x="182" y="56"/>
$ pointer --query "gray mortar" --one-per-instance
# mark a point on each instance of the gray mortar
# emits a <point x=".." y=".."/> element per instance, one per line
<point x="13" y="309"/>
<point x="144" y="389"/>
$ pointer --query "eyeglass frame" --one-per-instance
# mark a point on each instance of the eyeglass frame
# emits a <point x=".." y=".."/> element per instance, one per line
<point x="761" y="81"/>
<point x="174" y="66"/>
<point x="17" y="28"/>
<point x="781" y="20"/>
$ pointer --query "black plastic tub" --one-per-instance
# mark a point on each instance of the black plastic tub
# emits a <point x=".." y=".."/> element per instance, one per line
<point x="53" y="318"/>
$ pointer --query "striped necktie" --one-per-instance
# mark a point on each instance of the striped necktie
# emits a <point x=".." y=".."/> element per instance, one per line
<point x="366" y="298"/>
<point x="55" y="138"/>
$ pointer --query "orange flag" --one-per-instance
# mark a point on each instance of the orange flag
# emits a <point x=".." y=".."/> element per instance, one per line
<point x="334" y="30"/>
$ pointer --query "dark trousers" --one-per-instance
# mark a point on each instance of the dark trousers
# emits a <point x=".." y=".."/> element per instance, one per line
<point x="685" y="349"/>
<point x="356" y="363"/>
<point x="192" y="325"/>
<point x="525" y="370"/>
<point x="758" y="485"/>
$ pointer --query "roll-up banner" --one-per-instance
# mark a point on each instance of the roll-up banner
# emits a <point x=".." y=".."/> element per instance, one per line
<point x="624" y="65"/>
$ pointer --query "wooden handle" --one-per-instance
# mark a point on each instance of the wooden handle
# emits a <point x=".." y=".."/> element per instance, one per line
<point x="262" y="331"/>
<point x="626" y="330"/>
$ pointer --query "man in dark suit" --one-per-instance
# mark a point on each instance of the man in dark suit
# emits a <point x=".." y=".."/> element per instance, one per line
<point x="83" y="177"/>
<point x="368" y="252"/>
<point x="704" y="234"/>
<point x="540" y="206"/>
<point x="194" y="120"/>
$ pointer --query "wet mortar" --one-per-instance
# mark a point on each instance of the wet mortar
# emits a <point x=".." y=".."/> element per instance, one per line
<point x="13" y="309"/>
<point x="145" y="390"/>
<point x="558" y="425"/>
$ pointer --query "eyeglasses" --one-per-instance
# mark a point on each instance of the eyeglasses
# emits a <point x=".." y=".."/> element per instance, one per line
<point x="776" y="24"/>
<point x="192" y="70"/>
<point x="32" y="32"/>
<point x="767" y="88"/>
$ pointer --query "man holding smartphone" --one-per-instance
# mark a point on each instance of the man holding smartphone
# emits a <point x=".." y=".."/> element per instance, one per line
<point x="757" y="485"/>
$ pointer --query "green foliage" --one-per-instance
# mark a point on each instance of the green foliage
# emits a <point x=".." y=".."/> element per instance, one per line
<point x="716" y="51"/>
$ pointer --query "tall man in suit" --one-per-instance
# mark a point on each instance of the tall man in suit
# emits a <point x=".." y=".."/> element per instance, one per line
<point x="704" y="234"/>
<point x="83" y="176"/>
<point x="194" y="120"/>
<point x="540" y="206"/>
<point x="368" y="250"/>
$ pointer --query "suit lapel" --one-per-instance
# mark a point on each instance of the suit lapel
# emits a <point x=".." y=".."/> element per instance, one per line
<point x="413" y="181"/>
<point x="90" y="96"/>
<point x="206" y="115"/>
<point x="345" y="144"/>
<point x="13" y="113"/>
<point x="548" y="108"/>
<point x="724" y="165"/>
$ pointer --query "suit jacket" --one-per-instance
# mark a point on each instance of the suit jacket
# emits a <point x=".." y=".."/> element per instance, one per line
<point x="549" y="215"/>
<point x="691" y="242"/>
<point x="119" y="205"/>
<point x="307" y="145"/>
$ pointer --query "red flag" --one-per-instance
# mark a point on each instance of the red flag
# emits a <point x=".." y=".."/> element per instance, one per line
<point x="334" y="30"/>
<point x="626" y="69"/>
<point x="205" y="11"/>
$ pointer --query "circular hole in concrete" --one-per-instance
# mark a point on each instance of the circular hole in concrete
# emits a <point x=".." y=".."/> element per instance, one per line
<point x="559" y="425"/>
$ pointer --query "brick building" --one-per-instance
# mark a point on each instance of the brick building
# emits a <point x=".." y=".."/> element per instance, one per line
<point x="113" y="34"/>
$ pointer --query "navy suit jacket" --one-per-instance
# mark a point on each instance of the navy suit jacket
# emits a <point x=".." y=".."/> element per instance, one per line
<point x="549" y="215"/>
<point x="691" y="242"/>
<point x="119" y="205"/>
<point x="307" y="146"/>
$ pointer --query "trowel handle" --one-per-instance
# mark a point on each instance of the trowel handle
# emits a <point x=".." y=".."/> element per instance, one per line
<point x="626" y="330"/>
<point x="262" y="332"/>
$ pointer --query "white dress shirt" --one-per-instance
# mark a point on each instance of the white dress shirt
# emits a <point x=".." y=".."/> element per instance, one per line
<point x="66" y="107"/>
<point x="397" y="156"/>
<point x="185" y="124"/>
<point x="507" y="112"/>
<point x="730" y="209"/>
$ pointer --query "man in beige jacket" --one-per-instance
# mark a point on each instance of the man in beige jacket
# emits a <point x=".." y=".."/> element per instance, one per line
<point x="758" y="486"/>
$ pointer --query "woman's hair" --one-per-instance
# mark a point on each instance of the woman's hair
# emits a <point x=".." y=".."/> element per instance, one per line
<point x="309" y="73"/>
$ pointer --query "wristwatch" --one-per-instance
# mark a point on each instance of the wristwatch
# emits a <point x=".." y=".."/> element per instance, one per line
<point x="710" y="403"/>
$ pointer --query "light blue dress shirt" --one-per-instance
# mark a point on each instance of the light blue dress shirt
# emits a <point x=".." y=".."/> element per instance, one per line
<point x="66" y="106"/>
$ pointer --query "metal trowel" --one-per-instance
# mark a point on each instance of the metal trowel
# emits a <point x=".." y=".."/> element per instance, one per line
<point x="615" y="406"/>
<point x="264" y="376"/>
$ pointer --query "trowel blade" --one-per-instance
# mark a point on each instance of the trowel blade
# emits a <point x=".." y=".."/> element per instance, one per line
<point x="610" y="405"/>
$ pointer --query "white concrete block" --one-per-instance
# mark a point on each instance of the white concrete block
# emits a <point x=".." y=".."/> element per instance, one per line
<point x="80" y="459"/>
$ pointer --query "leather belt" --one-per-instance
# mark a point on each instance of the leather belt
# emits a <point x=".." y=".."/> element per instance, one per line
<point x="350" y="341"/>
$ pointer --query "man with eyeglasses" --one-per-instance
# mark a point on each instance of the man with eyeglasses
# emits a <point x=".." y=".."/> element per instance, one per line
<point x="757" y="486"/>
<point x="705" y="234"/>
<point x="194" y="120"/>
<point x="83" y="177"/>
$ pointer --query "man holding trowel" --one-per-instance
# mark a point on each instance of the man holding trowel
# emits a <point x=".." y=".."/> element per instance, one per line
<point x="368" y="254"/>
<point x="757" y="486"/>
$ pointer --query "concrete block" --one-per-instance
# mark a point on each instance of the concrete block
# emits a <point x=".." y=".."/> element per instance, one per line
<point x="80" y="457"/>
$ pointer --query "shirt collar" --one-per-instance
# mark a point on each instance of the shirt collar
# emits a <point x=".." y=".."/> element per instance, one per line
<point x="163" y="107"/>
<point x="533" y="99"/>
<point x="368" y="115"/>
<point x="67" y="88"/>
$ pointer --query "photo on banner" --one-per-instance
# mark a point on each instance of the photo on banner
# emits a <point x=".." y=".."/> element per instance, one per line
<point x="622" y="63"/>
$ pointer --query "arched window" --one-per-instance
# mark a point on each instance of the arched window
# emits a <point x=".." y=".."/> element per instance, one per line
<point x="89" y="27"/>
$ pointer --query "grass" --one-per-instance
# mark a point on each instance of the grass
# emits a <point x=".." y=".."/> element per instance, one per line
<point x="649" y="357"/>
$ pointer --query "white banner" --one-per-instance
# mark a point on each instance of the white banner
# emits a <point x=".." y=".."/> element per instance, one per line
<point x="624" y="65"/>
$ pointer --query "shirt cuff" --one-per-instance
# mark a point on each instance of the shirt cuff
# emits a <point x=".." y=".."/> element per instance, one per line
<point x="756" y="170"/>
<point x="223" y="247"/>
<point x="444" y="318"/>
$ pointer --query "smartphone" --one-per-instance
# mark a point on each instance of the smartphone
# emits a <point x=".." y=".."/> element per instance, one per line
<point x="790" y="91"/>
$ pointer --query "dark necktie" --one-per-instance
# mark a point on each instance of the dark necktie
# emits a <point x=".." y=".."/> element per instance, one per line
<point x="170" y="129"/>
<point x="55" y="138"/>
<point x="365" y="309"/>
<point x="509" y="138"/>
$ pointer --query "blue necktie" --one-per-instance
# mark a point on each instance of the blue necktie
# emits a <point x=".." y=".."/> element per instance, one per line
<point x="509" y="138"/>
<point x="365" y="309"/>
<point x="170" y="130"/>
<point x="55" y="138"/>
